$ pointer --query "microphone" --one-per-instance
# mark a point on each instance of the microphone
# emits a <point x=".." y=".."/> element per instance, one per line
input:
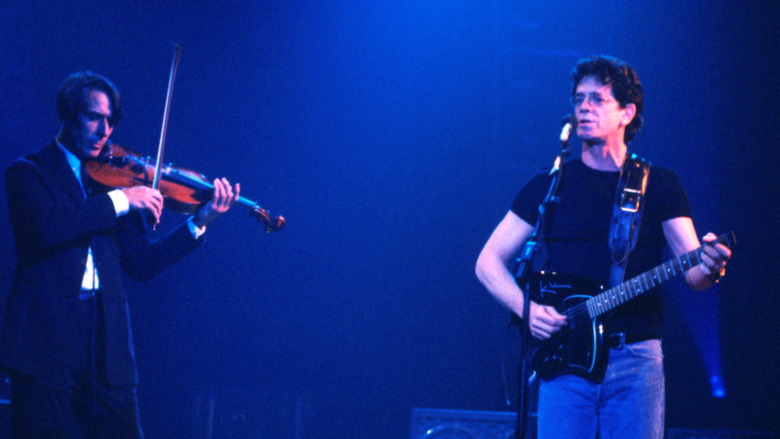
<point x="569" y="123"/>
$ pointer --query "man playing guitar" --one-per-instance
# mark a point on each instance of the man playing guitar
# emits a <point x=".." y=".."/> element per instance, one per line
<point x="626" y="400"/>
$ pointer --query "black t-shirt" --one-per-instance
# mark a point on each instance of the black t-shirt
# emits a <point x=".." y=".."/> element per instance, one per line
<point x="577" y="229"/>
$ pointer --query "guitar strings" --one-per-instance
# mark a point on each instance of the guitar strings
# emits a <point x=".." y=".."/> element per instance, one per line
<point x="652" y="278"/>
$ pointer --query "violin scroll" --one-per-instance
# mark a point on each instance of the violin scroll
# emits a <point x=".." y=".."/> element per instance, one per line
<point x="271" y="225"/>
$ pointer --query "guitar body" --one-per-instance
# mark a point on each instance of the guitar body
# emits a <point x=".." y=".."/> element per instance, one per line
<point x="578" y="348"/>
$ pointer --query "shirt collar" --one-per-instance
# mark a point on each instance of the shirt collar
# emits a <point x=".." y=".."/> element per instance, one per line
<point x="73" y="161"/>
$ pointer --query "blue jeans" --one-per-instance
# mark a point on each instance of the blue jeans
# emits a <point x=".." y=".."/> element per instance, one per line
<point x="629" y="403"/>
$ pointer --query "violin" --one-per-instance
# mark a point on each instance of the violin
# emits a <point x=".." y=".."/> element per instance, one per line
<point x="184" y="190"/>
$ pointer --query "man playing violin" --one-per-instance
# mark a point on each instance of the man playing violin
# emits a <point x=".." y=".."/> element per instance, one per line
<point x="66" y="340"/>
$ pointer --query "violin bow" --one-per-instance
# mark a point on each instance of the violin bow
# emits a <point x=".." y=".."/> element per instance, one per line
<point x="166" y="113"/>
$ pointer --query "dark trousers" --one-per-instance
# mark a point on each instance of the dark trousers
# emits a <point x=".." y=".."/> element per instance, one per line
<point x="75" y="403"/>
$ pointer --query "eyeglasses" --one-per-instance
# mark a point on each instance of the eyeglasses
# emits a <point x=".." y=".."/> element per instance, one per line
<point x="594" y="98"/>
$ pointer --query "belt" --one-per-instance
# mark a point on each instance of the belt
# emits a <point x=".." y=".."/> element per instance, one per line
<point x="618" y="340"/>
<point x="87" y="294"/>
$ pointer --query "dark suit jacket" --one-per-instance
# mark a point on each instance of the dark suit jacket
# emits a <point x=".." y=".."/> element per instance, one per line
<point x="53" y="227"/>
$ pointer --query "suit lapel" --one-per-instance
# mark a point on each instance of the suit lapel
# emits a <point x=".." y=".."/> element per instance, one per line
<point x="53" y="159"/>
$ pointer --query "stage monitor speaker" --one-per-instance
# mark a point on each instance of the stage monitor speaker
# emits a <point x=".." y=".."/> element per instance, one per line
<point x="681" y="433"/>
<point x="235" y="413"/>
<point x="461" y="424"/>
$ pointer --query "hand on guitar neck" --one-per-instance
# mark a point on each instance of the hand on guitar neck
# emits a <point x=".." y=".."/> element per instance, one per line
<point x="714" y="257"/>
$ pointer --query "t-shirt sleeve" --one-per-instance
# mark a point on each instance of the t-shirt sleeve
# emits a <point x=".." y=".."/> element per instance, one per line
<point x="668" y="189"/>
<point x="526" y="202"/>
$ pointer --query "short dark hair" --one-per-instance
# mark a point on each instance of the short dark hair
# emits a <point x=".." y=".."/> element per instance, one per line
<point x="624" y="81"/>
<point x="70" y="97"/>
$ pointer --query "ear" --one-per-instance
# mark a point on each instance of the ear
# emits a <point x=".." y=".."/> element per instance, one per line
<point x="628" y="114"/>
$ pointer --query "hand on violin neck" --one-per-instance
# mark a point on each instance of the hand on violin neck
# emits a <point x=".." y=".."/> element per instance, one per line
<point x="145" y="198"/>
<point x="223" y="198"/>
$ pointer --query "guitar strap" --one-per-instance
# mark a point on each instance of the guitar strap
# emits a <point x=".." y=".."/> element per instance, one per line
<point x="627" y="214"/>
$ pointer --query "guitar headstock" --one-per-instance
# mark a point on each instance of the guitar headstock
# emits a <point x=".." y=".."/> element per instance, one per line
<point x="728" y="239"/>
<point x="270" y="224"/>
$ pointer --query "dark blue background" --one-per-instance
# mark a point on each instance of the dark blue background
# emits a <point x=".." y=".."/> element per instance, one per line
<point x="393" y="136"/>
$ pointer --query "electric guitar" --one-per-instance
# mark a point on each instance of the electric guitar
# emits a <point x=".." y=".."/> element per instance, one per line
<point x="578" y="348"/>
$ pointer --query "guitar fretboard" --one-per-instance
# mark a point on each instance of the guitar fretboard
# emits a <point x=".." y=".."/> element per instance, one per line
<point x="650" y="279"/>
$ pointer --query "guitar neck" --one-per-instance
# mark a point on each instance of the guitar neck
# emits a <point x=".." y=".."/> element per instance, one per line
<point x="648" y="280"/>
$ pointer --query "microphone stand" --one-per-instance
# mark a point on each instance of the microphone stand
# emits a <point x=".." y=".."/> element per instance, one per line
<point x="522" y="278"/>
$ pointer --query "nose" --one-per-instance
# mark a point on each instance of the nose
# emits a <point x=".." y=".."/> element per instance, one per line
<point x="104" y="127"/>
<point x="585" y="107"/>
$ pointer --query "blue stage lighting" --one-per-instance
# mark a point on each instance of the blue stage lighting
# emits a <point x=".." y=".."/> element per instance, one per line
<point x="717" y="387"/>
